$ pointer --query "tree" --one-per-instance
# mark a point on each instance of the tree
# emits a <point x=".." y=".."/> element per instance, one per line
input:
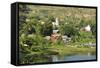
<point x="93" y="29"/>
<point x="23" y="15"/>
<point x="46" y="29"/>
<point x="68" y="30"/>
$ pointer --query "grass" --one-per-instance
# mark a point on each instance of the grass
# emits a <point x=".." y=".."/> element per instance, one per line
<point x="71" y="50"/>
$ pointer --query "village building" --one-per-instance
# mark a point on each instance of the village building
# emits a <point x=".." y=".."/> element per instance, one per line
<point x="86" y="28"/>
<point x="55" y="36"/>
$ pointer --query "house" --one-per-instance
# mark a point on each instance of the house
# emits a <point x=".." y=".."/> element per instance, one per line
<point x="86" y="28"/>
<point x="65" y="38"/>
<point x="55" y="36"/>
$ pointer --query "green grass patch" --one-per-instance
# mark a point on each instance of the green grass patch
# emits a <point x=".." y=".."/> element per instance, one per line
<point x="71" y="50"/>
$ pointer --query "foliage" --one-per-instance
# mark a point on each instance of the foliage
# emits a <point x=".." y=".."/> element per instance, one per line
<point x="68" y="30"/>
<point x="93" y="29"/>
<point x="46" y="29"/>
<point x="23" y="15"/>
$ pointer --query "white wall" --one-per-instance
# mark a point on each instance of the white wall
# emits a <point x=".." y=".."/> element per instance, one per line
<point x="5" y="34"/>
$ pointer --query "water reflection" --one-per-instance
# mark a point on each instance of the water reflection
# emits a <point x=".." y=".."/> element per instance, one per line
<point x="77" y="57"/>
<point x="30" y="59"/>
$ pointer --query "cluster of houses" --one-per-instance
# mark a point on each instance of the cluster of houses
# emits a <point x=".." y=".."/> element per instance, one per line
<point x="56" y="35"/>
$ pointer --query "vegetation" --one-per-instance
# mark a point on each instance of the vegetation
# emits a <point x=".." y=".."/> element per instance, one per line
<point x="35" y="22"/>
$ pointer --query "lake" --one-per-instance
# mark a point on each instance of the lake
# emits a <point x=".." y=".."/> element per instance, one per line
<point x="56" y="58"/>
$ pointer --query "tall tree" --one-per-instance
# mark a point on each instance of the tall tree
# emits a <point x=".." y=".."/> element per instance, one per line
<point x="23" y="15"/>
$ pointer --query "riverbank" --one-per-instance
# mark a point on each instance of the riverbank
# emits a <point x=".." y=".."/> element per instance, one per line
<point x="45" y="55"/>
<point x="71" y="50"/>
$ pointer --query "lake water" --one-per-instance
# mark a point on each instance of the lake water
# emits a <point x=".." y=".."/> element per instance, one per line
<point x="56" y="58"/>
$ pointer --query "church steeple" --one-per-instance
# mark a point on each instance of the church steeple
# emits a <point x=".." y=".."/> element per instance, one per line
<point x="56" y="23"/>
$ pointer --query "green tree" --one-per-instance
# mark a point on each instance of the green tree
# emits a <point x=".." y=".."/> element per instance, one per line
<point x="46" y="29"/>
<point x="23" y="15"/>
<point x="68" y="30"/>
<point x="93" y="29"/>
